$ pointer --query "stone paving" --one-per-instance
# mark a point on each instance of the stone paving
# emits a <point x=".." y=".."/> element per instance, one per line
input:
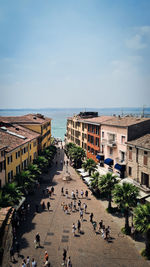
<point x="55" y="228"/>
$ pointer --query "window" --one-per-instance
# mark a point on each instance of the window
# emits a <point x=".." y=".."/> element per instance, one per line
<point x="97" y="141"/>
<point x="137" y="153"/>
<point x="92" y="140"/>
<point x="17" y="154"/>
<point x="123" y="139"/>
<point x="130" y="153"/>
<point x="18" y="169"/>
<point x="89" y="128"/>
<point x="97" y="130"/>
<point x="34" y="144"/>
<point x="88" y="149"/>
<point x="92" y="151"/>
<point x="111" y="151"/>
<point x="2" y="153"/>
<point x="10" y="176"/>
<point x="145" y="158"/>
<point x="130" y="171"/>
<point x="93" y="129"/>
<point x="30" y="146"/>
<point x="1" y="166"/>
<point x="9" y="159"/>
<point x="122" y="156"/>
<point x="102" y="134"/>
<point x="145" y="179"/>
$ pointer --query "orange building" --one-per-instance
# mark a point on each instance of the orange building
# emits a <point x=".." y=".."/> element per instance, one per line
<point x="94" y="136"/>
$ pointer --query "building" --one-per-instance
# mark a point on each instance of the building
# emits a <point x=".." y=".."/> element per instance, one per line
<point x="138" y="160"/>
<point x="2" y="165"/>
<point x="93" y="126"/>
<point x="21" y="148"/>
<point x="35" y="122"/>
<point x="77" y="129"/>
<point x="115" y="133"/>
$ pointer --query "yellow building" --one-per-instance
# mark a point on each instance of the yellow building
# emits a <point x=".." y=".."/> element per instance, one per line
<point x="35" y="122"/>
<point x="21" y="148"/>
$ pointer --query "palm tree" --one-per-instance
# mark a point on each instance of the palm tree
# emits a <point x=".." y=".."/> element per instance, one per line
<point x="90" y="166"/>
<point x="106" y="185"/>
<point x="12" y="192"/>
<point x="42" y="162"/>
<point x="94" y="181"/>
<point x="34" y="169"/>
<point x="125" y="196"/>
<point x="77" y="155"/>
<point x="141" y="221"/>
<point x="68" y="147"/>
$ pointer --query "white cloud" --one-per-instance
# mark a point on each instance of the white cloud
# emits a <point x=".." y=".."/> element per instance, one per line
<point x="140" y="38"/>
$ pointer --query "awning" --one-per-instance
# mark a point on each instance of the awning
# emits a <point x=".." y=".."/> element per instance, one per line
<point x="84" y="174"/>
<point x="100" y="157"/>
<point x="119" y="167"/>
<point x="108" y="161"/>
<point x="143" y="195"/>
<point x="147" y="199"/>
<point x="87" y="180"/>
<point x="80" y="170"/>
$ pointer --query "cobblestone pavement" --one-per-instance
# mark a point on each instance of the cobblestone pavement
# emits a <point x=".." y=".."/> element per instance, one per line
<point x="55" y="228"/>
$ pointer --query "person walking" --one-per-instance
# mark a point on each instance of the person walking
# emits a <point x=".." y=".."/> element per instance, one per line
<point x="48" y="205"/>
<point x="46" y="256"/>
<point x="79" y="204"/>
<point x="94" y="226"/>
<point x="28" y="261"/>
<point x="82" y="193"/>
<point x="91" y="217"/>
<point x="69" y="264"/>
<point x="86" y="193"/>
<point x="64" y="256"/>
<point x="66" y="193"/>
<point x="33" y="263"/>
<point x="37" y="239"/>
<point x="52" y="190"/>
<point x="81" y="215"/>
<point x="78" y="226"/>
<point x="73" y="229"/>
<point x="23" y="263"/>
<point x="12" y="258"/>
<point x="85" y="207"/>
<point x="62" y="191"/>
<point x="100" y="225"/>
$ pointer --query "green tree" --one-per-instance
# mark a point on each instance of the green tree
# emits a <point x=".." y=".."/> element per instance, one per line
<point x="125" y="196"/>
<point x="95" y="179"/>
<point x="90" y="166"/>
<point x="68" y="147"/>
<point x="106" y="185"/>
<point x="25" y="181"/>
<point x="11" y="192"/>
<point x="34" y="169"/>
<point x="77" y="155"/>
<point x="141" y="221"/>
<point x="42" y="163"/>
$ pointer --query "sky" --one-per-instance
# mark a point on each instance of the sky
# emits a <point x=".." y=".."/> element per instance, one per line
<point x="74" y="53"/>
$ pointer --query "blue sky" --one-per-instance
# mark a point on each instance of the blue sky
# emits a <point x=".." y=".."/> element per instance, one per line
<point x="83" y="53"/>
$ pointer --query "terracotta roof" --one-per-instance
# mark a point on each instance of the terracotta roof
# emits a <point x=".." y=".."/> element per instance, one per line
<point x="15" y="136"/>
<point x="124" y="121"/>
<point x="29" y="118"/>
<point x="98" y="120"/>
<point x="143" y="142"/>
<point x="2" y="147"/>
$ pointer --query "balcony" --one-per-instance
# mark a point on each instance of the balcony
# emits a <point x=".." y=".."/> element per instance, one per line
<point x="111" y="143"/>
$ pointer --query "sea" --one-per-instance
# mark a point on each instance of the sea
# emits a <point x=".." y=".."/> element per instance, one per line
<point x="59" y="115"/>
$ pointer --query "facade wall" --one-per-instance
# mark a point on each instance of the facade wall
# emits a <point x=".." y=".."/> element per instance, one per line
<point x="31" y="151"/>
<point x="2" y="168"/>
<point x="44" y="130"/>
<point x="93" y="141"/>
<point x="139" y="129"/>
<point x="110" y="151"/>
<point x="136" y="164"/>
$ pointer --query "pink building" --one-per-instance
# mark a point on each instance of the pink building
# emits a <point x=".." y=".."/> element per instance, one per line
<point x="114" y="135"/>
